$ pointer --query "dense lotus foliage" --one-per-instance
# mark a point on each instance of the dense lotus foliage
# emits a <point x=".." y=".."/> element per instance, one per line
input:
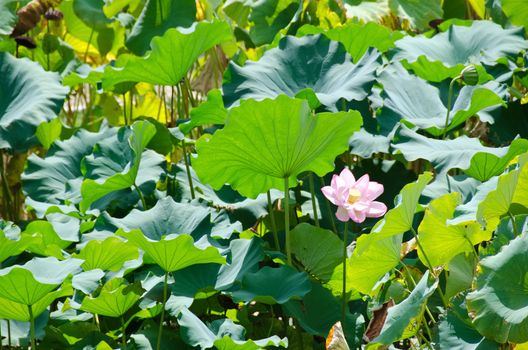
<point x="301" y="174"/>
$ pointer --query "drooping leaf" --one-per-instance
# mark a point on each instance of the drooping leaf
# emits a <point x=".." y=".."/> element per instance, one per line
<point x="91" y="13"/>
<point x="114" y="299"/>
<point x="399" y="316"/>
<point x="156" y="18"/>
<point x="499" y="301"/>
<point x="298" y="63"/>
<point x="286" y="137"/>
<point x="175" y="253"/>
<point x="166" y="64"/>
<point x="109" y="254"/>
<point x="28" y="96"/>
<point x="273" y="285"/>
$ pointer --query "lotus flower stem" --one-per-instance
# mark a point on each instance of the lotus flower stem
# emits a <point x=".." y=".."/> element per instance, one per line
<point x="449" y="102"/>
<point x="162" y="316"/>
<point x="32" y="328"/>
<point x="314" y="203"/>
<point x="187" y="169"/>
<point x="273" y="225"/>
<point x="141" y="197"/>
<point x="88" y="45"/>
<point x="287" y="219"/>
<point x="329" y="209"/>
<point x="123" y="334"/>
<point x="345" y="255"/>
<point x="8" y="334"/>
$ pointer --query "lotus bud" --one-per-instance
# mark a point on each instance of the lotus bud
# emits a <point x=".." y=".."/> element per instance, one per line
<point x="53" y="15"/>
<point x="469" y="75"/>
<point x="26" y="41"/>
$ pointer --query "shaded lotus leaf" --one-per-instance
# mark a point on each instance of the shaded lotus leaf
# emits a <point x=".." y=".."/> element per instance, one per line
<point x="442" y="241"/>
<point x="499" y="302"/>
<point x="468" y="154"/>
<point x="411" y="98"/>
<point x="56" y="179"/>
<point x="114" y="299"/>
<point x="273" y="285"/>
<point x="8" y="17"/>
<point x="111" y="169"/>
<point x="11" y="242"/>
<point x="29" y="96"/>
<point x="164" y="64"/>
<point x="401" y="315"/>
<point x="157" y="17"/>
<point x="173" y="253"/>
<point x="223" y="334"/>
<point x="287" y="137"/>
<point x="88" y="281"/>
<point x="29" y="283"/>
<point x="357" y="38"/>
<point x="481" y="42"/>
<point x="313" y="62"/>
<point x="318" y="250"/>
<point x="211" y="111"/>
<point x="91" y="13"/>
<point x="109" y="254"/>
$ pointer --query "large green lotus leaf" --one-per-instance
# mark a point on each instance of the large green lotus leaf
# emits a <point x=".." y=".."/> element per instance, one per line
<point x="173" y="253"/>
<point x="442" y="241"/>
<point x="91" y="13"/>
<point x="318" y="250"/>
<point x="516" y="11"/>
<point x="287" y="138"/>
<point x="414" y="100"/>
<point x="400" y="219"/>
<point x="399" y="316"/>
<point x="27" y="284"/>
<point x="109" y="254"/>
<point x="166" y="63"/>
<point x="103" y="166"/>
<point x="512" y="187"/>
<point x="223" y="334"/>
<point x="114" y="299"/>
<point x="273" y="285"/>
<point x="11" y="310"/>
<point x="11" y="242"/>
<point x="56" y="179"/>
<point x="311" y="61"/>
<point x="211" y="111"/>
<point x="46" y="241"/>
<point x="29" y="96"/>
<point x="482" y="42"/>
<point x="465" y="153"/>
<point x="362" y="273"/>
<point x="158" y="16"/>
<point x="499" y="302"/>
<point x="357" y="38"/>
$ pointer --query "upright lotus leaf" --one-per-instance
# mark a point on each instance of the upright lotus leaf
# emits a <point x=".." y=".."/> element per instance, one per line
<point x="512" y="187"/>
<point x="411" y="98"/>
<point x="222" y="334"/>
<point x="91" y="13"/>
<point x="298" y="63"/>
<point x="516" y="11"/>
<point x="158" y="16"/>
<point x="109" y="254"/>
<point x="400" y="219"/>
<point x="481" y="42"/>
<point x="27" y="284"/>
<point x="499" y="302"/>
<point x="287" y="138"/>
<point x="362" y="273"/>
<point x="318" y="250"/>
<point x="442" y="241"/>
<point x="166" y="64"/>
<point x="92" y="190"/>
<point x="465" y="153"/>
<point x="45" y="240"/>
<point x="175" y="253"/>
<point x="29" y="96"/>
<point x="399" y="316"/>
<point x="114" y="299"/>
<point x="211" y="111"/>
<point x="273" y="285"/>
<point x="357" y="38"/>
<point x="56" y="179"/>
<point x="417" y="13"/>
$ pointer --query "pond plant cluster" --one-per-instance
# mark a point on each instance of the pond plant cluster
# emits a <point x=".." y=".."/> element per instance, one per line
<point x="197" y="174"/>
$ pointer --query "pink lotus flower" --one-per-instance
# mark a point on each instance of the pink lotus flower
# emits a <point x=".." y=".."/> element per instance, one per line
<point x="355" y="199"/>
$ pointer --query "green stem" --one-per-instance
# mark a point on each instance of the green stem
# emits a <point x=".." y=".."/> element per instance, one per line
<point x="131" y="113"/>
<point x="88" y="45"/>
<point x="273" y="225"/>
<point x="188" y="169"/>
<point x="330" y="214"/>
<point x="449" y="101"/>
<point x="8" y="334"/>
<point x="514" y="226"/>
<point x="32" y="328"/>
<point x="345" y="255"/>
<point x="287" y="219"/>
<point x="1" y="342"/>
<point x="123" y="334"/>
<point x="125" y="110"/>
<point x="141" y="197"/>
<point x="8" y="196"/>
<point x="314" y="203"/>
<point x="162" y="316"/>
